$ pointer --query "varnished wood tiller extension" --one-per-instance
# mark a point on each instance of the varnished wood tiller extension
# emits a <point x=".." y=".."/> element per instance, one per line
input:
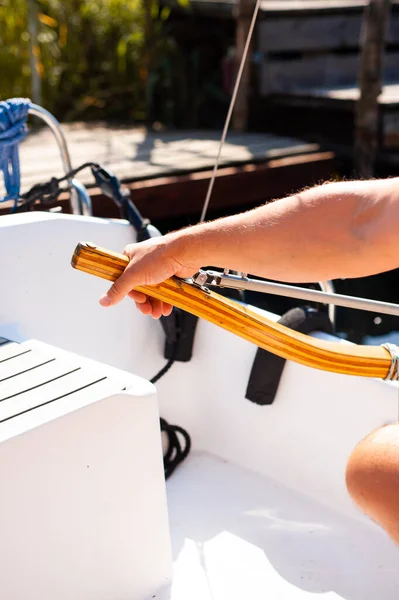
<point x="365" y="361"/>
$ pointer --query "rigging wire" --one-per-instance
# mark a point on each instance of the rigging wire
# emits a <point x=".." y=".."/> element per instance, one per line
<point x="230" y="111"/>
<point x="177" y="452"/>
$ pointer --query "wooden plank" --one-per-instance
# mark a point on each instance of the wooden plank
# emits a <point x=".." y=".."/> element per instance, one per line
<point x="284" y="76"/>
<point x="367" y="112"/>
<point x="273" y="7"/>
<point x="294" y="76"/>
<point x="135" y="154"/>
<point x="34" y="52"/>
<point x="390" y="126"/>
<point x="243" y="12"/>
<point x="235" y="187"/>
<point x="303" y="6"/>
<point x="350" y="94"/>
<point x="313" y="33"/>
<point x="343" y="99"/>
<point x="328" y="32"/>
<point x="247" y="185"/>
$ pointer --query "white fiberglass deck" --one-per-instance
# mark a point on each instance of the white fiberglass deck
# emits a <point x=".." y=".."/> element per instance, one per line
<point x="237" y="535"/>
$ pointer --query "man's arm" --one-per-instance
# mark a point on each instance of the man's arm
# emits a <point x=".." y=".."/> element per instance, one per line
<point x="345" y="229"/>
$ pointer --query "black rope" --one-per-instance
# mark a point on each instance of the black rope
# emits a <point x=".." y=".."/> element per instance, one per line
<point x="168" y="365"/>
<point x="49" y="191"/>
<point x="177" y="451"/>
<point x="74" y="172"/>
<point x="164" y="370"/>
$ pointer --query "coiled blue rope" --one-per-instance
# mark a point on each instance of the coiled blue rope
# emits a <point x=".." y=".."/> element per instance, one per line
<point x="13" y="129"/>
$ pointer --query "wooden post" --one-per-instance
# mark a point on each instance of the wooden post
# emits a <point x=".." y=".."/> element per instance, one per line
<point x="147" y="58"/>
<point x="34" y="51"/>
<point x="243" y="14"/>
<point x="374" y="26"/>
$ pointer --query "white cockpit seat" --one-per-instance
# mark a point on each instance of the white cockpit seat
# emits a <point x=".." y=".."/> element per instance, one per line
<point x="83" y="507"/>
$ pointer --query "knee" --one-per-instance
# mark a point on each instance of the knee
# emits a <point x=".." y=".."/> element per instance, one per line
<point x="372" y="477"/>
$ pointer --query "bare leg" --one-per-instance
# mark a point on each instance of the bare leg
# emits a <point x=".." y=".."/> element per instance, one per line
<point x="372" y="477"/>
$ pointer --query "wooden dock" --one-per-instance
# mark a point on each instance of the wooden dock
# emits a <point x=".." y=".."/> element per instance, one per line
<point x="135" y="154"/>
<point x="306" y="60"/>
<point x="309" y="59"/>
<point x="168" y="172"/>
<point x="268" y="8"/>
<point x="341" y="99"/>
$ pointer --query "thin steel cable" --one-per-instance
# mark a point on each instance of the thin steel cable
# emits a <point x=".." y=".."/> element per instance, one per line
<point x="230" y="111"/>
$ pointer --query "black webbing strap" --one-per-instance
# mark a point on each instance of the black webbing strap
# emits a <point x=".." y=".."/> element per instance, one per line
<point x="267" y="368"/>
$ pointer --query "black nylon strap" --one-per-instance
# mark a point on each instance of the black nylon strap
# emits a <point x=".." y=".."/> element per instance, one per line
<point x="267" y="368"/>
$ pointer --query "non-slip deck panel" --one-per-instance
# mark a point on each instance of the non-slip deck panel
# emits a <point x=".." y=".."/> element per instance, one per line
<point x="23" y="363"/>
<point x="11" y="350"/>
<point x="32" y="377"/>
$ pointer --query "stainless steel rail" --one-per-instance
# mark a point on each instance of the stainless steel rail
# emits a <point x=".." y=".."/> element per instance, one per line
<point x="219" y="279"/>
<point x="79" y="205"/>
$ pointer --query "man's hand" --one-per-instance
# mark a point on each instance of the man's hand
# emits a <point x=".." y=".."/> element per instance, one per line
<point x="151" y="262"/>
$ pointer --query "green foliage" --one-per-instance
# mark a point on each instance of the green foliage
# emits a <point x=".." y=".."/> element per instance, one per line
<point x="96" y="58"/>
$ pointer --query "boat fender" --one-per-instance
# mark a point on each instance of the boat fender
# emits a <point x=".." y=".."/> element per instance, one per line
<point x="267" y="368"/>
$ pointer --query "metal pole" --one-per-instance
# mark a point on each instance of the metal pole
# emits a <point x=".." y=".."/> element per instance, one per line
<point x="243" y="10"/>
<point x="230" y="111"/>
<point x="213" y="278"/>
<point x="374" y="27"/>
<point x="34" y="51"/>
<point x="51" y="121"/>
<point x="328" y="286"/>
